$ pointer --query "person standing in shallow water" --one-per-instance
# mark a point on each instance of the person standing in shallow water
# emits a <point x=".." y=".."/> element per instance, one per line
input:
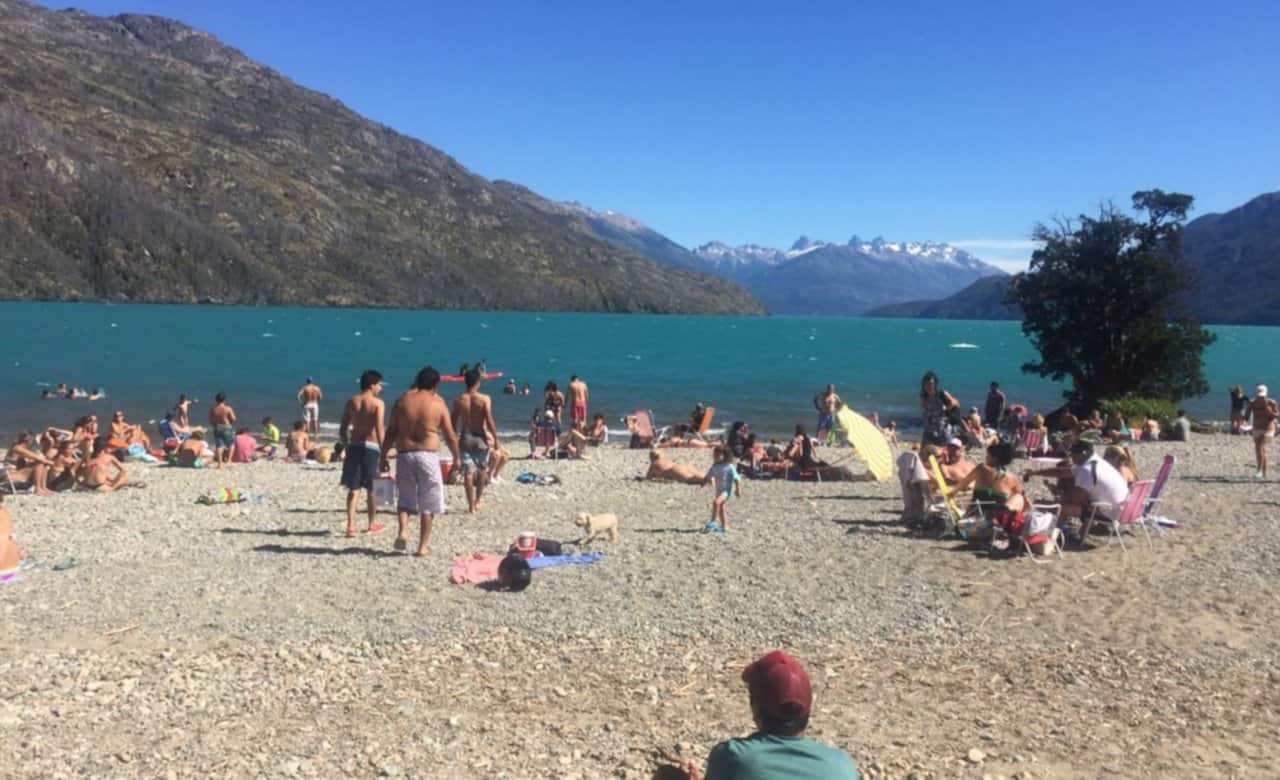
<point x="309" y="396"/>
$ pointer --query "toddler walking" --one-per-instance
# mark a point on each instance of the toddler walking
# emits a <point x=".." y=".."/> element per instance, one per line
<point x="727" y="481"/>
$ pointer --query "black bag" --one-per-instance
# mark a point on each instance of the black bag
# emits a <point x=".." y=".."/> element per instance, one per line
<point x="514" y="573"/>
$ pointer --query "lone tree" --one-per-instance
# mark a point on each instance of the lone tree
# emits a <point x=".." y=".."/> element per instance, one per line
<point x="1102" y="302"/>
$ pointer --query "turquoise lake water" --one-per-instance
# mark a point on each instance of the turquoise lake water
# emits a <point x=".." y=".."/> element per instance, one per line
<point x="761" y="369"/>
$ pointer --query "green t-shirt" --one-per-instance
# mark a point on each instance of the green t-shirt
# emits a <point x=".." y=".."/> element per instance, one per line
<point x="271" y="433"/>
<point x="769" y="756"/>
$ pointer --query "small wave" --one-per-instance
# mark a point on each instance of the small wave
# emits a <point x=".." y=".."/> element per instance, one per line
<point x="634" y="357"/>
<point x="268" y="335"/>
<point x="114" y="325"/>
<point x="44" y="384"/>
<point x="484" y="324"/>
<point x="358" y="333"/>
<point x="963" y="345"/>
<point x="406" y="338"/>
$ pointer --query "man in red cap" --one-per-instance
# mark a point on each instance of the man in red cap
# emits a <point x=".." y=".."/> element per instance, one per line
<point x="780" y="703"/>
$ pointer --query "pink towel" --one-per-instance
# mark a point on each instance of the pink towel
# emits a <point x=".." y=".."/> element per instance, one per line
<point x="477" y="567"/>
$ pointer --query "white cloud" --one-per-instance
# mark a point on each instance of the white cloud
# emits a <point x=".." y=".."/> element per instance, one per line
<point x="1008" y="254"/>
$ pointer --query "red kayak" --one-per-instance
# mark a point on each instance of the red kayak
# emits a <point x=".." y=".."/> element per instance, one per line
<point x="461" y="378"/>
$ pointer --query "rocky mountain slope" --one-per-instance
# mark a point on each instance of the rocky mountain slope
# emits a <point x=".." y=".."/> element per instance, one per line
<point x="1233" y="260"/>
<point x="145" y="160"/>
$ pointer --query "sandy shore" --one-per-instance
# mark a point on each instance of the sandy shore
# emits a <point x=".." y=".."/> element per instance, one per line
<point x="255" y="639"/>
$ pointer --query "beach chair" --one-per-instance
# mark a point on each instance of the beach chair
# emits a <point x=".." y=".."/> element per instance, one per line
<point x="8" y="479"/>
<point x="1127" y="514"/>
<point x="546" y="441"/>
<point x="948" y="507"/>
<point x="1033" y="440"/>
<point x="704" y="423"/>
<point x="1157" y="487"/>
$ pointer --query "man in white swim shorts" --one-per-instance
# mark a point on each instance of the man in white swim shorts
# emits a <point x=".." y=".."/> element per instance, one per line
<point x="418" y="421"/>
<point x="309" y="396"/>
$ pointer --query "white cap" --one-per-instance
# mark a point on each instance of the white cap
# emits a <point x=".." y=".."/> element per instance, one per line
<point x="1260" y="391"/>
<point x="956" y="443"/>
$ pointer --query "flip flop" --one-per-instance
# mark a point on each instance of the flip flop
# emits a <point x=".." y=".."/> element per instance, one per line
<point x="375" y="528"/>
<point x="66" y="563"/>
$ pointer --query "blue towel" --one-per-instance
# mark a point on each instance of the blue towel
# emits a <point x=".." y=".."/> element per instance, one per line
<point x="543" y="561"/>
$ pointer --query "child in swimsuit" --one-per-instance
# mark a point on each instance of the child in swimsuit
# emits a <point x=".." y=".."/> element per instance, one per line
<point x="728" y="482"/>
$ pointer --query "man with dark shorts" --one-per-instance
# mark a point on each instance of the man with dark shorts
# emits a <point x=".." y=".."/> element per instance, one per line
<point x="361" y="433"/>
<point x="418" y="420"/>
<point x="473" y="419"/>
<point x="827" y="403"/>
<point x="223" y="419"/>
<point x="994" y="408"/>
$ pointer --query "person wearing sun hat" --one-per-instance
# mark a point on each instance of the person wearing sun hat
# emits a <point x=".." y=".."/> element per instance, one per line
<point x="781" y="702"/>
<point x="1263" y="413"/>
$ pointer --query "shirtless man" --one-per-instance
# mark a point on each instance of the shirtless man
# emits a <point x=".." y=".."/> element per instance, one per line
<point x="577" y="400"/>
<point x="181" y="420"/>
<point x="473" y="419"/>
<point x="309" y="396"/>
<point x="297" y="443"/>
<point x="95" y="472"/>
<point x="191" y="452"/>
<point x="662" y="468"/>
<point x="1263" y="412"/>
<point x="953" y="464"/>
<point x="826" y="402"/>
<point x="222" y="418"/>
<point x="361" y="433"/>
<point x="418" y="420"/>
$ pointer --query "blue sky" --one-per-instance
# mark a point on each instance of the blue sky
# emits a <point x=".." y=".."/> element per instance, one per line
<point x="751" y="122"/>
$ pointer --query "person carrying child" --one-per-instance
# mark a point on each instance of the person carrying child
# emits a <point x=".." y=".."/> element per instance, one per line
<point x="727" y="481"/>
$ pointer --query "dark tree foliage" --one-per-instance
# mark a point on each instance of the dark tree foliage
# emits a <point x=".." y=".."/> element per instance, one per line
<point x="1102" y="303"/>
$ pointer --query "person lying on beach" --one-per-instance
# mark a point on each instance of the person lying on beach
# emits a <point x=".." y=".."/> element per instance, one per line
<point x="663" y="469"/>
<point x="26" y="464"/>
<point x="781" y="700"/>
<point x="101" y="471"/>
<point x="678" y="440"/>
<point x="298" y="443"/>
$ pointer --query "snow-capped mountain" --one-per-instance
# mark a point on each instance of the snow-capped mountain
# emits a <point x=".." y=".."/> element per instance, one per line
<point x="809" y="277"/>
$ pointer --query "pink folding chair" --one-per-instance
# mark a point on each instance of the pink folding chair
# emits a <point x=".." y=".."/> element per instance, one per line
<point x="1162" y="477"/>
<point x="1034" y="442"/>
<point x="1127" y="514"/>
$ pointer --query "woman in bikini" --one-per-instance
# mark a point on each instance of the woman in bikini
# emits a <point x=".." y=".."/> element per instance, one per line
<point x="26" y="464"/>
<point x="998" y="494"/>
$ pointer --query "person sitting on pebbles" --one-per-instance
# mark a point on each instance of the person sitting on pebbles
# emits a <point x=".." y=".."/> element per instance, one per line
<point x="781" y="701"/>
<point x="664" y="469"/>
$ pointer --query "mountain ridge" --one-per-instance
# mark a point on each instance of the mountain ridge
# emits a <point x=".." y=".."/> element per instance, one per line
<point x="150" y="161"/>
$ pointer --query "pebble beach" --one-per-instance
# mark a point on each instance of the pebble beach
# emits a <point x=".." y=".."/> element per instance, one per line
<point x="254" y="639"/>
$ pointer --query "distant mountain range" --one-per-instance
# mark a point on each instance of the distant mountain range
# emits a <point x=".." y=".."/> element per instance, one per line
<point x="1233" y="260"/>
<point x="145" y="160"/>
<point x="811" y="277"/>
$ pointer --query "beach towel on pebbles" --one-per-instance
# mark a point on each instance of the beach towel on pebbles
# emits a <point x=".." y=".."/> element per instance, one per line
<point x="483" y="567"/>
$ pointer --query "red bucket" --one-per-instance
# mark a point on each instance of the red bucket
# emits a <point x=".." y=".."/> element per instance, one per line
<point x="527" y="544"/>
<point x="446" y="468"/>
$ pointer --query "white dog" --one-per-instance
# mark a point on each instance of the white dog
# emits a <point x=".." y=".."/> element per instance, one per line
<point x="595" y="525"/>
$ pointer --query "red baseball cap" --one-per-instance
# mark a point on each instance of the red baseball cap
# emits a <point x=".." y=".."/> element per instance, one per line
<point x="779" y="686"/>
